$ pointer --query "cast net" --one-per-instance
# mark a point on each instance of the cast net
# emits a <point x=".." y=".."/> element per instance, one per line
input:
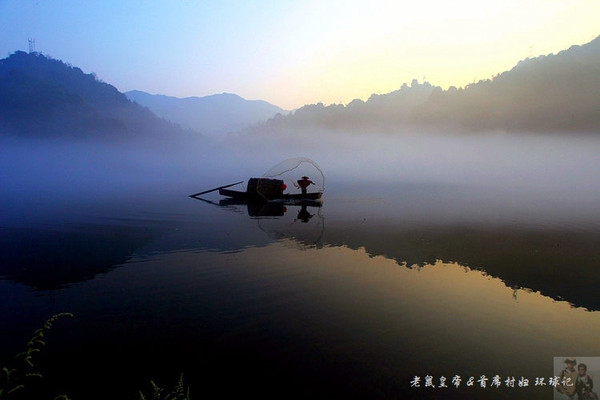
<point x="291" y="171"/>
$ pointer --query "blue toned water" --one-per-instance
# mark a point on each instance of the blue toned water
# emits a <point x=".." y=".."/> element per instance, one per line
<point x="421" y="262"/>
<point x="369" y="292"/>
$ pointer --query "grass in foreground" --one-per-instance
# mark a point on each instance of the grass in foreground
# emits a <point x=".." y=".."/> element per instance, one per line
<point x="16" y="380"/>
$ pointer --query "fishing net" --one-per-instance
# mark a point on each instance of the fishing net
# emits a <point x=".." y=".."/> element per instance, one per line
<point x="300" y="226"/>
<point x="289" y="173"/>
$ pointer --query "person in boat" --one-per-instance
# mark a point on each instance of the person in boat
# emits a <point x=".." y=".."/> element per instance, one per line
<point x="304" y="183"/>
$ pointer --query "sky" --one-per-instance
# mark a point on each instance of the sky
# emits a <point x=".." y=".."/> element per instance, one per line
<point x="292" y="53"/>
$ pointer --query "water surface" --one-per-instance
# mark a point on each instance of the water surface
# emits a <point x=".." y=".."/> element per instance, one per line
<point x="408" y="274"/>
<point x="355" y="301"/>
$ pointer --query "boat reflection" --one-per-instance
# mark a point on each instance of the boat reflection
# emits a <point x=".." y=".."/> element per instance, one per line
<point x="561" y="266"/>
<point x="274" y="208"/>
<point x="304" y="215"/>
<point x="298" y="219"/>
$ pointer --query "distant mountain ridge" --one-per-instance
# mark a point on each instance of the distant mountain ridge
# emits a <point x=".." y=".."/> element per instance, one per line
<point x="43" y="97"/>
<point x="214" y="115"/>
<point x="553" y="93"/>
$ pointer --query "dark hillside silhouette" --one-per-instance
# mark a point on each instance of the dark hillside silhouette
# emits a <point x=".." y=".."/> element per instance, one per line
<point x="43" y="97"/>
<point x="553" y="93"/>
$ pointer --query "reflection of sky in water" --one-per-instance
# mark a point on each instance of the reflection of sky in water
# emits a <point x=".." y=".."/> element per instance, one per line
<point x="371" y="318"/>
<point x="329" y="297"/>
<point x="447" y="318"/>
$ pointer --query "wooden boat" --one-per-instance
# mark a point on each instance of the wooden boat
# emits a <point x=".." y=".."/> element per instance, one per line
<point x="266" y="189"/>
<point x="245" y="196"/>
<point x="263" y="190"/>
<point x="272" y="187"/>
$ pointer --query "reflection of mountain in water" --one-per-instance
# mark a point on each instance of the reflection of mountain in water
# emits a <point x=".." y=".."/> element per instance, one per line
<point x="559" y="264"/>
<point x="48" y="259"/>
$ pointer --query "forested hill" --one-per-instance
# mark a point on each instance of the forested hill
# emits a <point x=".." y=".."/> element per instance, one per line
<point x="43" y="97"/>
<point x="553" y="93"/>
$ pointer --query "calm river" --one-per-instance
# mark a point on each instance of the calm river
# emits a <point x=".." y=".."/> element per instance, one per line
<point x="402" y="292"/>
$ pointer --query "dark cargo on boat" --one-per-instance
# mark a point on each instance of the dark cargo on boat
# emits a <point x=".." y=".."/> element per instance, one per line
<point x="276" y="184"/>
<point x="264" y="189"/>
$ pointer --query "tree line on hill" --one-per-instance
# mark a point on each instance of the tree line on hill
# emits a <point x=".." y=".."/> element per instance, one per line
<point x="554" y="93"/>
<point x="42" y="97"/>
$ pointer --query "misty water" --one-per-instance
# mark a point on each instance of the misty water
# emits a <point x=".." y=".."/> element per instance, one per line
<point x="431" y="255"/>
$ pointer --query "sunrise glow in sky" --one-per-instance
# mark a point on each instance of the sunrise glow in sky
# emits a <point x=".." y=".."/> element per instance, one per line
<point x="292" y="53"/>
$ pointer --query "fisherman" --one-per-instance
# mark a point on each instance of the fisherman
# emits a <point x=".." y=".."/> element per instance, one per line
<point x="304" y="183"/>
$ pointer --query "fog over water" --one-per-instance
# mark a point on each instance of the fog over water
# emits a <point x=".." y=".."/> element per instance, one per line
<point x="431" y="254"/>
<point x="512" y="175"/>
